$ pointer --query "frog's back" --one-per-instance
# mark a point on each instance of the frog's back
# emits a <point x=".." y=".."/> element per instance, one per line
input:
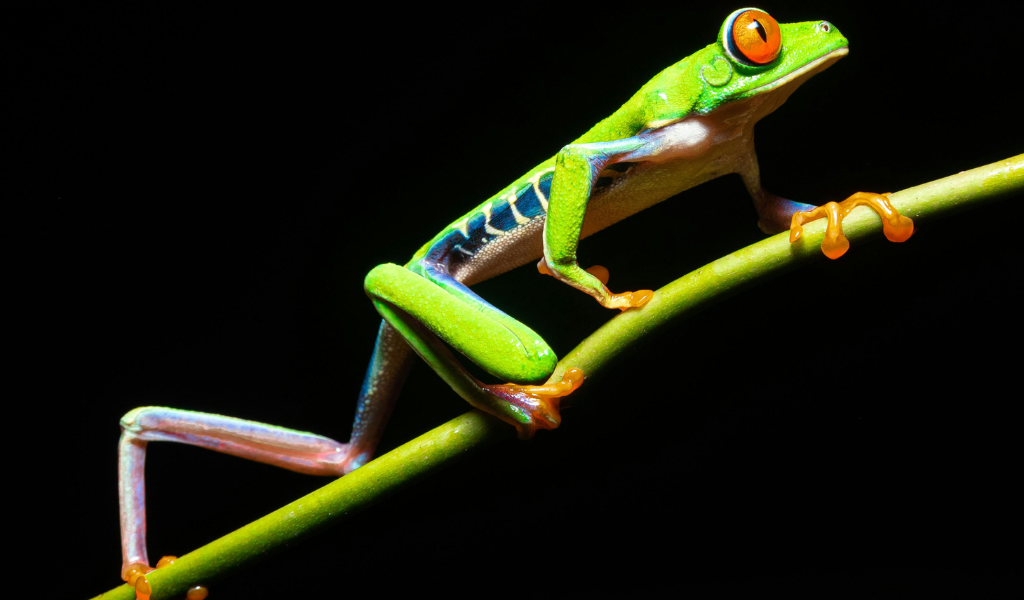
<point x="500" y="234"/>
<point x="506" y="231"/>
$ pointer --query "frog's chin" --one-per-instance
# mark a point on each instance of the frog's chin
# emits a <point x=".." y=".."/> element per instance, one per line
<point x="805" y="72"/>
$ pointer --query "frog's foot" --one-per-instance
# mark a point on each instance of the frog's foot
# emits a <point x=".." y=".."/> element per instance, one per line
<point x="896" y="227"/>
<point x="131" y="573"/>
<point x="135" y="575"/>
<point x="628" y="300"/>
<point x="537" y="404"/>
<point x="623" y="301"/>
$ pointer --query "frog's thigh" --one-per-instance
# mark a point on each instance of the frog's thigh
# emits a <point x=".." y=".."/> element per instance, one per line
<point x="497" y="343"/>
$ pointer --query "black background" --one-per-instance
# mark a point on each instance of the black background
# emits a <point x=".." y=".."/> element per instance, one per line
<point x="199" y="196"/>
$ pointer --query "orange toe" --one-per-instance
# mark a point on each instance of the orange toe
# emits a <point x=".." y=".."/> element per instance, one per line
<point x="600" y="272"/>
<point x="895" y="226"/>
<point x="540" y="403"/>
<point x="628" y="300"/>
<point x="134" y="571"/>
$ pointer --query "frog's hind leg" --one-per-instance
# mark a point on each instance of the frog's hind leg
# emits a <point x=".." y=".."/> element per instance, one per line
<point x="294" y="450"/>
<point x="432" y="309"/>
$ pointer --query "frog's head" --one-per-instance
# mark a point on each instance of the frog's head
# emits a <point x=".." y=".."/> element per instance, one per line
<point x="754" y="55"/>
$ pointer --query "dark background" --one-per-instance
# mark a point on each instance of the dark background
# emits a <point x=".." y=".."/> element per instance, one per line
<point x="199" y="196"/>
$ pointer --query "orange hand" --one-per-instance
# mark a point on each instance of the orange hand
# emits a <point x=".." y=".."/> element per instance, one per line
<point x="628" y="300"/>
<point x="896" y="227"/>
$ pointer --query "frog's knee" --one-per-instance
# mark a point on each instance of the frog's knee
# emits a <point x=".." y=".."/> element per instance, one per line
<point x="144" y="418"/>
<point x="534" y="366"/>
<point x="542" y="366"/>
<point x="385" y="276"/>
<point x="130" y="420"/>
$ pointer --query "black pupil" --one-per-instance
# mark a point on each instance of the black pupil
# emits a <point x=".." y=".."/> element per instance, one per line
<point x="760" y="30"/>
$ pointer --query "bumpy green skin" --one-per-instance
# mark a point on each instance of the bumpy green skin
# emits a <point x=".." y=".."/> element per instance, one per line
<point x="469" y="332"/>
<point x="511" y="351"/>
<point x="418" y="305"/>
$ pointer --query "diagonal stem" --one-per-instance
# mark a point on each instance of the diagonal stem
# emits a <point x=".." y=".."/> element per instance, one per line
<point x="344" y="497"/>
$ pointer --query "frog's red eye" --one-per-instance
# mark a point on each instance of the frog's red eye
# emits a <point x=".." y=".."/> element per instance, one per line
<point x="756" y="36"/>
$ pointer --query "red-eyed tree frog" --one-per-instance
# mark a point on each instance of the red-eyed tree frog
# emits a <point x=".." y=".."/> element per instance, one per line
<point x="692" y="122"/>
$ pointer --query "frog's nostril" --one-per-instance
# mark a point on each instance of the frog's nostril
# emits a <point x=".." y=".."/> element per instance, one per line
<point x="824" y="27"/>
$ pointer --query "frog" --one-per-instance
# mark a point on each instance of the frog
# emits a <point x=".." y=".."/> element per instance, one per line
<point x="690" y="123"/>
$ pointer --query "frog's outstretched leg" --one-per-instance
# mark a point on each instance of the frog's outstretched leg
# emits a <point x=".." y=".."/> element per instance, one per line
<point x="417" y="311"/>
<point x="294" y="450"/>
<point x="895" y="226"/>
<point x="386" y="374"/>
<point x="433" y="307"/>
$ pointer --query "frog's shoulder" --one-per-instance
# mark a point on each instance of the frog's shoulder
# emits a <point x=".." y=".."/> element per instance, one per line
<point x="669" y="96"/>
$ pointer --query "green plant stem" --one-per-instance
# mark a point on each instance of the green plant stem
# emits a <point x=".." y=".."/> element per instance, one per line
<point x="347" y="495"/>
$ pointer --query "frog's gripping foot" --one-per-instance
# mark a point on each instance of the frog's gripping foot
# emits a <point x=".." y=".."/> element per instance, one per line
<point x="537" y="405"/>
<point x="135" y="575"/>
<point x="623" y="301"/>
<point x="628" y="300"/>
<point x="896" y="227"/>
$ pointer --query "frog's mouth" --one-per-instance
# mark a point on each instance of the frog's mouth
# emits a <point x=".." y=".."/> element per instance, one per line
<point x="805" y="72"/>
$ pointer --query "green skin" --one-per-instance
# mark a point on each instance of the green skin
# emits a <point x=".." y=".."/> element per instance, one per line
<point x="708" y="92"/>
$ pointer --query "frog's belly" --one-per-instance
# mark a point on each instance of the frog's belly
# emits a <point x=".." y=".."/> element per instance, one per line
<point x="648" y="183"/>
<point x="514" y="248"/>
<point x="643" y="185"/>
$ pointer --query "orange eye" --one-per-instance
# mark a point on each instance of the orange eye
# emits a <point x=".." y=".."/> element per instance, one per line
<point x="756" y="35"/>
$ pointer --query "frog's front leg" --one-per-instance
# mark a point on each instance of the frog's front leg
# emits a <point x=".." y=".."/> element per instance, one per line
<point x="287" y="448"/>
<point x="774" y="212"/>
<point x="430" y="308"/>
<point x="577" y="167"/>
<point x="895" y="226"/>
